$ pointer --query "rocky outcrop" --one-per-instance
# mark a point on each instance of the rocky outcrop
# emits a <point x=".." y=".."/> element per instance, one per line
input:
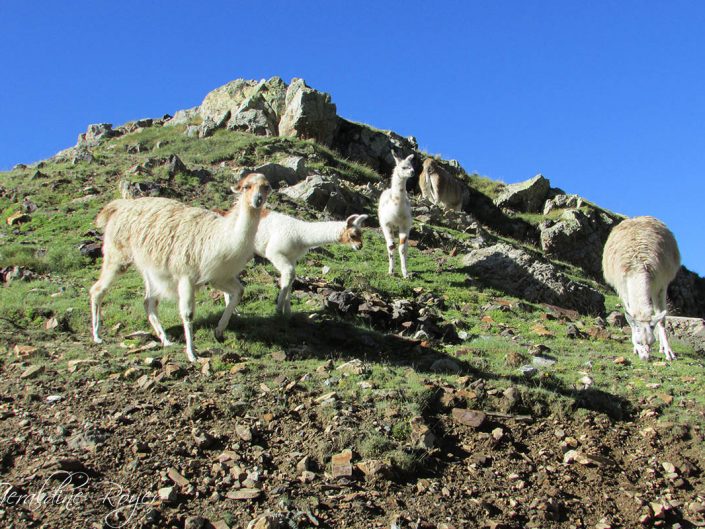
<point x="686" y="294"/>
<point x="290" y="170"/>
<point x="688" y="330"/>
<point x="309" y="114"/>
<point x="562" y="201"/>
<point x="372" y="147"/>
<point x="579" y="237"/>
<point x="530" y="277"/>
<point x="95" y="133"/>
<point x="528" y="196"/>
<point x="266" y="108"/>
<point x="328" y="194"/>
<point x="250" y="106"/>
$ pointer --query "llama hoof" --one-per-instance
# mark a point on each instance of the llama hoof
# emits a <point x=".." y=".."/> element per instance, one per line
<point x="166" y="343"/>
<point x="669" y="354"/>
<point x="219" y="336"/>
<point x="96" y="339"/>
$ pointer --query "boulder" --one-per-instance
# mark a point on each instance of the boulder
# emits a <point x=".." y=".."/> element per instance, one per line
<point x="325" y="193"/>
<point x="528" y="196"/>
<point x="688" y="330"/>
<point x="530" y="277"/>
<point x="183" y="117"/>
<point x="371" y="147"/>
<point x="309" y="114"/>
<point x="250" y="106"/>
<point x="291" y="170"/>
<point x="686" y="294"/>
<point x="95" y="133"/>
<point x="562" y="201"/>
<point x="578" y="237"/>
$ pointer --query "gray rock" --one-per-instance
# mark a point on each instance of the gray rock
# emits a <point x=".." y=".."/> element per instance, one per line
<point x="689" y="330"/>
<point x="183" y="117"/>
<point x="530" y="277"/>
<point x="325" y="193"/>
<point x="562" y="201"/>
<point x="686" y="294"/>
<point x="309" y="114"/>
<point x="579" y="238"/>
<point x="445" y="365"/>
<point x="95" y="133"/>
<point x="290" y="170"/>
<point x="616" y="319"/>
<point x="528" y="196"/>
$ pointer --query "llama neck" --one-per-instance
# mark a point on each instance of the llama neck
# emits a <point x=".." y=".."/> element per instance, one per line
<point x="320" y="233"/>
<point x="398" y="185"/>
<point x="639" y="296"/>
<point x="244" y="220"/>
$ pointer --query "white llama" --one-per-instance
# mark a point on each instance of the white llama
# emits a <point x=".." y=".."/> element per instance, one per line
<point x="177" y="249"/>
<point x="394" y="211"/>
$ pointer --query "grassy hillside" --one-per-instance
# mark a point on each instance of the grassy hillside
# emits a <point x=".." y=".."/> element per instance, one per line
<point x="45" y="306"/>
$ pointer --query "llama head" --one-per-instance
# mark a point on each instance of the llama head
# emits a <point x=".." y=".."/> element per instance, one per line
<point x="352" y="234"/>
<point x="254" y="188"/>
<point x="404" y="166"/>
<point x="643" y="335"/>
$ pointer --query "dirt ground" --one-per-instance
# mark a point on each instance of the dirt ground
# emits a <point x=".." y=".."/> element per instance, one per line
<point x="174" y="448"/>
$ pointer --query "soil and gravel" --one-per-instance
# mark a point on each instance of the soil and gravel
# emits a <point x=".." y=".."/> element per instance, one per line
<point x="165" y="445"/>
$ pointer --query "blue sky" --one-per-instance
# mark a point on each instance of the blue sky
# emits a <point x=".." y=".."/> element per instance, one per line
<point x="605" y="98"/>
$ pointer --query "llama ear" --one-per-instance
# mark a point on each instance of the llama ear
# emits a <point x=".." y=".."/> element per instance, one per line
<point x="658" y="318"/>
<point x="235" y="189"/>
<point x="410" y="158"/>
<point x="396" y="158"/>
<point x="360" y="219"/>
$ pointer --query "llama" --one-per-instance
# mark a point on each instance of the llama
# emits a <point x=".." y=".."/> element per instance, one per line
<point x="177" y="249"/>
<point x="440" y="187"/>
<point x="394" y="211"/>
<point x="640" y="259"/>
<point x="284" y="240"/>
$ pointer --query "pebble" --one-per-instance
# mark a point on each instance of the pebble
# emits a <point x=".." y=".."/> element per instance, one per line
<point x="167" y="494"/>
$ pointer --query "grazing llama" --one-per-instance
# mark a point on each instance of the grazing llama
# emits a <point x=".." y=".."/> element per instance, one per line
<point x="284" y="240"/>
<point x="639" y="261"/>
<point x="177" y="249"/>
<point x="440" y="187"/>
<point x="394" y="211"/>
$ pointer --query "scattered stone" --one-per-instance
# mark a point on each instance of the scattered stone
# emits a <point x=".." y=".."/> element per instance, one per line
<point x="528" y="196"/>
<point x="279" y="356"/>
<point x="353" y="367"/>
<point x="176" y="477"/>
<point x="23" y="351"/>
<point x="167" y="494"/>
<point x="472" y="418"/>
<point x="17" y="218"/>
<point x="32" y="371"/>
<point x="622" y="361"/>
<point x="446" y="365"/>
<point x="341" y="464"/>
<point x="194" y="522"/>
<point x="244" y="494"/>
<point x="243" y="432"/>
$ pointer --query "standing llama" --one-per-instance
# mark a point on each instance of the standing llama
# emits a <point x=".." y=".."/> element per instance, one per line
<point x="639" y="261"/>
<point x="442" y="188"/>
<point x="394" y="211"/>
<point x="177" y="249"/>
<point x="284" y="240"/>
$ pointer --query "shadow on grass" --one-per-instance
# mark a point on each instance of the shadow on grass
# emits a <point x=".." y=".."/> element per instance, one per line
<point x="317" y="335"/>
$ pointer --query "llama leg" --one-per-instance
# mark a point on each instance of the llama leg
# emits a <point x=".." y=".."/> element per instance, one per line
<point x="233" y="294"/>
<point x="664" y="346"/>
<point x="151" y="302"/>
<point x="108" y="272"/>
<point x="186" y="309"/>
<point x="389" y="239"/>
<point x="403" y="245"/>
<point x="287" y="271"/>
